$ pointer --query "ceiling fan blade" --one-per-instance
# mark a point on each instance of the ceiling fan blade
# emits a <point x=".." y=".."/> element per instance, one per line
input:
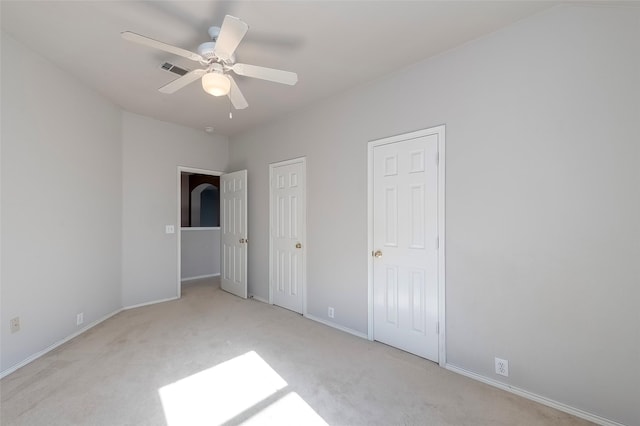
<point x="137" y="38"/>
<point x="180" y="82"/>
<point x="231" y="33"/>
<point x="235" y="95"/>
<point x="278" y="76"/>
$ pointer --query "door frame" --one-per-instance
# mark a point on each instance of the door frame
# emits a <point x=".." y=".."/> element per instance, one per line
<point x="272" y="166"/>
<point x="440" y="132"/>
<point x="179" y="222"/>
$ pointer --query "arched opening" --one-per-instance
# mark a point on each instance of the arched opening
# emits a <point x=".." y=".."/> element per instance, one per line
<point x="205" y="206"/>
<point x="200" y="200"/>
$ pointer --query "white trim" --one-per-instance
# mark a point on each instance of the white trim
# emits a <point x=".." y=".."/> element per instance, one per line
<point x="369" y="241"/>
<point x="199" y="277"/>
<point x="440" y="132"/>
<point x="56" y="344"/>
<point x="534" y="397"/>
<point x="178" y="221"/>
<point x="442" y="293"/>
<point x="336" y="326"/>
<point x="200" y="171"/>
<point x="154" y="302"/>
<point x="272" y="166"/>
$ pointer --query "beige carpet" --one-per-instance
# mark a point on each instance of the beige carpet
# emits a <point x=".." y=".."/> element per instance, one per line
<point x="212" y="358"/>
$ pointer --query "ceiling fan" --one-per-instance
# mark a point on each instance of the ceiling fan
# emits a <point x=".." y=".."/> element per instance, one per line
<point x="217" y="58"/>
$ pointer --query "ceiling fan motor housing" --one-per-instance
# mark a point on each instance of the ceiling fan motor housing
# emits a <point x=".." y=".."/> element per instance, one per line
<point x="214" y="32"/>
<point x="206" y="50"/>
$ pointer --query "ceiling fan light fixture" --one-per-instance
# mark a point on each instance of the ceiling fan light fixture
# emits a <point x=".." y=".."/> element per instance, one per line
<point x="216" y="84"/>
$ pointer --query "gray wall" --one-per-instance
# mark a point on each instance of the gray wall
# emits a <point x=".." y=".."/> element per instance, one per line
<point x="199" y="252"/>
<point x="87" y="190"/>
<point x="61" y="203"/>
<point x="542" y="200"/>
<point x="152" y="151"/>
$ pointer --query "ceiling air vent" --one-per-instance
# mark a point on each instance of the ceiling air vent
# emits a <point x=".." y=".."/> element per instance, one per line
<point x="173" y="68"/>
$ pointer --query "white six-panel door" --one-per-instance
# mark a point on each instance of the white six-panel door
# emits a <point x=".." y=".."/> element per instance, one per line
<point x="287" y="234"/>
<point x="233" y="229"/>
<point x="405" y="244"/>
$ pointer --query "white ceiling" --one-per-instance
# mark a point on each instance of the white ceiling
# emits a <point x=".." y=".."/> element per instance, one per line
<point x="332" y="45"/>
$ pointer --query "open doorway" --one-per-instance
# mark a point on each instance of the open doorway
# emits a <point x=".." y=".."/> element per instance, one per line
<point x="199" y="200"/>
<point x="199" y="232"/>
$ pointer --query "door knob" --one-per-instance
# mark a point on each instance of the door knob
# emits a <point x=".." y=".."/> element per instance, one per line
<point x="378" y="253"/>
<point x="241" y="240"/>
<point x="298" y="245"/>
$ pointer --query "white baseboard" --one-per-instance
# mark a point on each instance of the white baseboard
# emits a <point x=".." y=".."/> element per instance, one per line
<point x="534" y="397"/>
<point x="139" y="305"/>
<point x="199" y="277"/>
<point x="339" y="327"/>
<point x="56" y="344"/>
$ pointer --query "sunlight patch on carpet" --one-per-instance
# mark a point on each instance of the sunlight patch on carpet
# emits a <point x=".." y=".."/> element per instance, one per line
<point x="242" y="389"/>
<point x="290" y="409"/>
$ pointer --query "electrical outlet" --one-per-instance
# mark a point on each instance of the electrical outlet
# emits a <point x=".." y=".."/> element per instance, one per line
<point x="502" y="367"/>
<point x="331" y="312"/>
<point x="80" y="318"/>
<point x="14" y="324"/>
<point x="169" y="229"/>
